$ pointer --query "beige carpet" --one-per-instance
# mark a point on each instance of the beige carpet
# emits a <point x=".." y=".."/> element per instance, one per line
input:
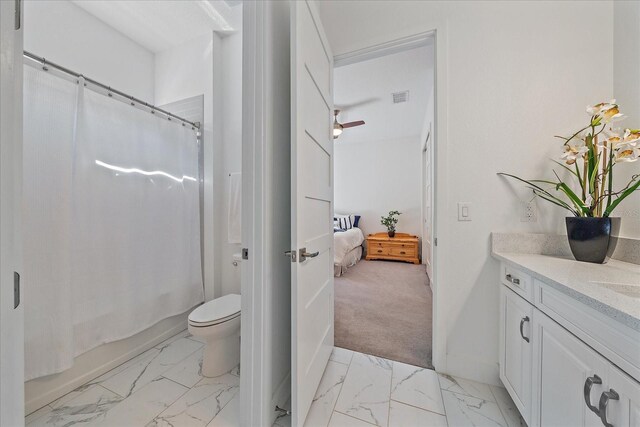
<point x="383" y="308"/>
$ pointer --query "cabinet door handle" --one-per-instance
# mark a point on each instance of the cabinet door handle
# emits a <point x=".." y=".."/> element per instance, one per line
<point x="587" y="392"/>
<point x="524" y="319"/>
<point x="605" y="397"/>
<point x="512" y="279"/>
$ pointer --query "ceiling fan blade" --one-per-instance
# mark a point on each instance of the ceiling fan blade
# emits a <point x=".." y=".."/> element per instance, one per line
<point x="353" y="124"/>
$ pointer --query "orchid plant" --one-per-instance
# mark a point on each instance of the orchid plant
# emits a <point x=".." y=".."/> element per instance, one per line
<point x="590" y="155"/>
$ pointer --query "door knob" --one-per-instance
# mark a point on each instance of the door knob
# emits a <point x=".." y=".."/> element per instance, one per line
<point x="304" y="254"/>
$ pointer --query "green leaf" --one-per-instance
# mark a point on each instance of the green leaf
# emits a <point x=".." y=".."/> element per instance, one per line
<point x="548" y="196"/>
<point x="557" y="203"/>
<point x="574" y="173"/>
<point x="577" y="201"/>
<point x="621" y="197"/>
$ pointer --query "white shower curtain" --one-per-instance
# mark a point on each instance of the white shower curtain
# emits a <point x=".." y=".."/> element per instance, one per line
<point x="117" y="219"/>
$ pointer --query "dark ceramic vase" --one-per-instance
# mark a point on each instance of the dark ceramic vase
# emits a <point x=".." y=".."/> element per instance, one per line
<point x="592" y="239"/>
<point x="391" y="233"/>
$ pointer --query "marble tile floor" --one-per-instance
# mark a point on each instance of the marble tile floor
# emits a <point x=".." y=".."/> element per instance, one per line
<point x="161" y="387"/>
<point x="164" y="387"/>
<point x="358" y="390"/>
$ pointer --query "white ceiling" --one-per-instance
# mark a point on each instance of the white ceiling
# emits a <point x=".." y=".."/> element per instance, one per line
<point x="364" y="90"/>
<point x="160" y="25"/>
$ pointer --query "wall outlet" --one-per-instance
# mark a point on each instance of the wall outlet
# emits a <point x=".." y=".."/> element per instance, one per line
<point x="529" y="211"/>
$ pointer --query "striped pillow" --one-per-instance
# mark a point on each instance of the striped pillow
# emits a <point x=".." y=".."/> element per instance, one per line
<point x="346" y="222"/>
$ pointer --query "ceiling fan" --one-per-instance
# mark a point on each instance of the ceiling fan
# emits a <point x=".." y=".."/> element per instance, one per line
<point x="338" y="127"/>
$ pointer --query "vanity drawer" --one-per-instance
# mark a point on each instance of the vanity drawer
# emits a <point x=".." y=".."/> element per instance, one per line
<point x="518" y="281"/>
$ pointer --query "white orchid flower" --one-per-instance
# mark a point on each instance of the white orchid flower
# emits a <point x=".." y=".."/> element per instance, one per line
<point x="627" y="153"/>
<point x="574" y="151"/>
<point x="631" y="136"/>
<point x="611" y="114"/>
<point x="594" y="110"/>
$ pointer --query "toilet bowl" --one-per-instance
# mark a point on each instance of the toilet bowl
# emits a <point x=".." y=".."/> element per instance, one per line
<point x="217" y="323"/>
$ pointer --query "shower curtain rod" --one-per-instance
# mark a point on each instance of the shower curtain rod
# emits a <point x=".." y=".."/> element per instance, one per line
<point x="109" y="89"/>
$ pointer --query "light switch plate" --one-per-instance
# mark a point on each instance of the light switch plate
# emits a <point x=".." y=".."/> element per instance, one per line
<point x="464" y="211"/>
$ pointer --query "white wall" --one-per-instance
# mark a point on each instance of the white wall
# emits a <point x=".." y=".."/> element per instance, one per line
<point x="63" y="33"/>
<point x="212" y="66"/>
<point x="510" y="75"/>
<point x="182" y="72"/>
<point x="375" y="177"/>
<point x="626" y="90"/>
<point x="231" y="151"/>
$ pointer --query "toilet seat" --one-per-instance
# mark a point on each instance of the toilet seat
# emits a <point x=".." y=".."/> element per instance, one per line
<point x="216" y="311"/>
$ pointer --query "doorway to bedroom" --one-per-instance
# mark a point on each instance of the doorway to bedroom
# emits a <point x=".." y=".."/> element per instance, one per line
<point x="383" y="222"/>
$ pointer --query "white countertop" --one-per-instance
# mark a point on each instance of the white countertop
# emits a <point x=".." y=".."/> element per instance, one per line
<point x="586" y="282"/>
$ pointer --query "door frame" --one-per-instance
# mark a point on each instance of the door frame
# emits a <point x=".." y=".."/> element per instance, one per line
<point x="11" y="317"/>
<point x="266" y="224"/>
<point x="439" y="164"/>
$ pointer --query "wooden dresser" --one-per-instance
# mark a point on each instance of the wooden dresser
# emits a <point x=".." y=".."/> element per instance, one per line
<point x="401" y="247"/>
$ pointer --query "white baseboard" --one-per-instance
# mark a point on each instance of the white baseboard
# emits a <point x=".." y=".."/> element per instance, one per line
<point x="281" y="396"/>
<point x="42" y="391"/>
<point x="472" y="369"/>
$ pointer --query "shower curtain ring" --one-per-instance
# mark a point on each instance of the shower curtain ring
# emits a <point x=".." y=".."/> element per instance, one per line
<point x="132" y="103"/>
<point x="44" y="64"/>
<point x="109" y="94"/>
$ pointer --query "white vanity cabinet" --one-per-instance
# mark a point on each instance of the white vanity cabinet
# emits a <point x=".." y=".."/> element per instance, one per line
<point x="620" y="406"/>
<point x="516" y="353"/>
<point x="569" y="372"/>
<point x="560" y="360"/>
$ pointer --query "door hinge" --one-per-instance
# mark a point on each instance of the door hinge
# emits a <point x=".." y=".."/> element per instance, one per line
<point x="18" y="14"/>
<point x="435" y="241"/>
<point x="245" y="253"/>
<point x="16" y="289"/>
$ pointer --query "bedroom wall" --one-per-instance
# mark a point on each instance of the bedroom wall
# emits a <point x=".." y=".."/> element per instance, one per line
<point x="64" y="33"/>
<point x="510" y="75"/>
<point x="374" y="177"/>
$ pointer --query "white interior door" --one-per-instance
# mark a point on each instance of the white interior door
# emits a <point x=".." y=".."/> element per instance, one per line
<point x="427" y="235"/>
<point x="11" y="308"/>
<point x="311" y="205"/>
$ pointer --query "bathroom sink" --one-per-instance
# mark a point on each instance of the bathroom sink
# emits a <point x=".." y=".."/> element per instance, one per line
<point x="629" y="289"/>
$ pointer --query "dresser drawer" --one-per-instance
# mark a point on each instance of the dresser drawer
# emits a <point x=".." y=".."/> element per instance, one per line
<point x="378" y="250"/>
<point x="402" y="251"/>
<point x="392" y="245"/>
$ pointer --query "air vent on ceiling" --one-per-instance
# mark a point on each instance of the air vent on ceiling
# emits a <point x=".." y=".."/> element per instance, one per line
<point x="399" y="97"/>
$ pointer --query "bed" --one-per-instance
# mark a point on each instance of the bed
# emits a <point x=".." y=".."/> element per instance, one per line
<point x="347" y="249"/>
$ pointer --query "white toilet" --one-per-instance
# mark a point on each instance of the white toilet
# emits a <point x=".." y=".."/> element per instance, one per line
<point x="217" y="322"/>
